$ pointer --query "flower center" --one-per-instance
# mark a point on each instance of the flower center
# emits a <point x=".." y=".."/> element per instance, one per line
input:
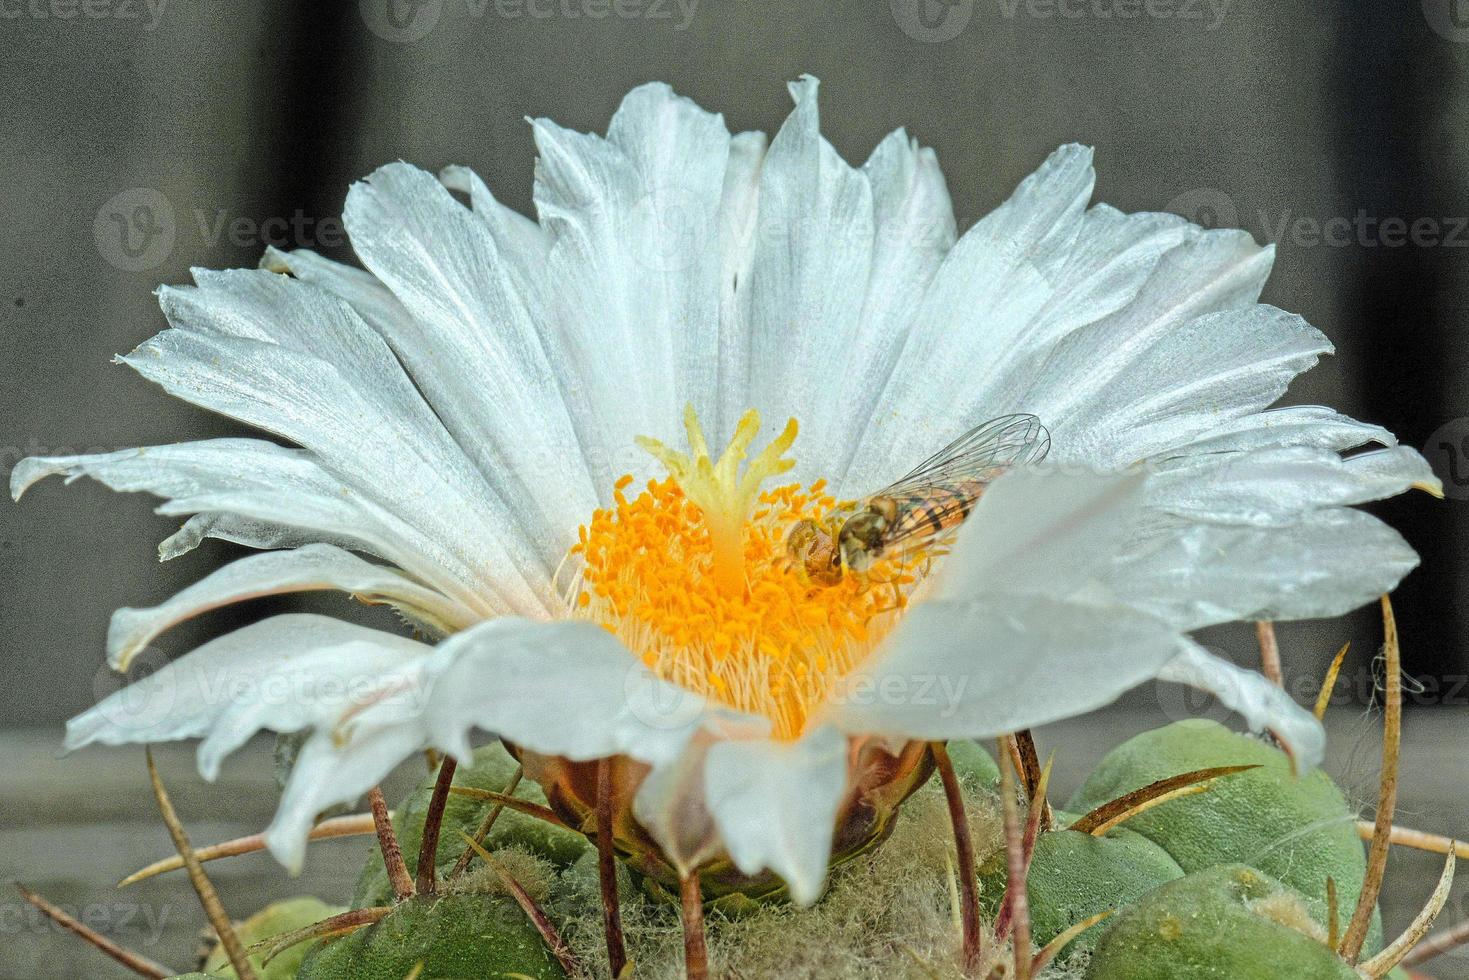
<point x="693" y="575"/>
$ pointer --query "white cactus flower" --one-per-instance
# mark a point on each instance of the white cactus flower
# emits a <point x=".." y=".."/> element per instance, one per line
<point x="460" y="408"/>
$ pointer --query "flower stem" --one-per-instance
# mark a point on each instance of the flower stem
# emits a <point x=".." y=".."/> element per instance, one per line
<point x="964" y="845"/>
<point x="387" y="840"/>
<point x="695" y="951"/>
<point x="428" y="850"/>
<point x="607" y="871"/>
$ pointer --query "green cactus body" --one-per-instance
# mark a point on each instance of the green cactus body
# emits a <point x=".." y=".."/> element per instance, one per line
<point x="1227" y="923"/>
<point x="461" y="937"/>
<point x="275" y="919"/>
<point x="1297" y="829"/>
<point x="973" y="763"/>
<point x="1074" y="876"/>
<point x="493" y="767"/>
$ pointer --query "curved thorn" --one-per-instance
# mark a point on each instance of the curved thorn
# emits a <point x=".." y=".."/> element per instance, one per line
<point x="1356" y="934"/>
<point x="203" y="887"/>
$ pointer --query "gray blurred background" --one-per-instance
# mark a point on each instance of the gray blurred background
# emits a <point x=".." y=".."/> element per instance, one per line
<point x="1336" y="130"/>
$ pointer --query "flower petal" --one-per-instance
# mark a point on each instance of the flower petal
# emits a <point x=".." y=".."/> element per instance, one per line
<point x="285" y="356"/>
<point x="309" y="568"/>
<point x="808" y="278"/>
<point x="1043" y="533"/>
<point x="998" y="664"/>
<point x="566" y="688"/>
<point x="1324" y="564"/>
<point x="482" y="356"/>
<point x="775" y="804"/>
<point x="1263" y="704"/>
<point x="316" y="663"/>
<point x="1275" y="486"/>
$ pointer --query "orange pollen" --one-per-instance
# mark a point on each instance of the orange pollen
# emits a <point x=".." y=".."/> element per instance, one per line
<point x="775" y="645"/>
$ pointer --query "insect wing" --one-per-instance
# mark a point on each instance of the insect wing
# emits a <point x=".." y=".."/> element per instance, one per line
<point x="982" y="454"/>
<point x="935" y="498"/>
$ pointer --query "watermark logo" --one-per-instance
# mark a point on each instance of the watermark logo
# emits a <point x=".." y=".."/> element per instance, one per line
<point x="1213" y="208"/>
<point x="679" y="226"/>
<point x="932" y="21"/>
<point x="1207" y="206"/>
<point x="401" y="21"/>
<point x="659" y="704"/>
<point x="135" y="230"/>
<point x="131" y="701"/>
<point x="1447" y="451"/>
<point x="1448" y="18"/>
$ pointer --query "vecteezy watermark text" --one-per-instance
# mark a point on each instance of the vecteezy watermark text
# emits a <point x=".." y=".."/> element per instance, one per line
<point x="1213" y="208"/>
<point x="406" y="21"/>
<point x="136" y="230"/>
<point x="145" y="12"/>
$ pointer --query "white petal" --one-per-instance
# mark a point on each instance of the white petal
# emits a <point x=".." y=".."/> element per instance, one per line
<point x="999" y="664"/>
<point x="285" y="356"/>
<point x="1043" y="533"/>
<point x="1275" y="486"/>
<point x="472" y="343"/>
<point x="303" y="569"/>
<point x="808" y="280"/>
<point x="188" y="697"/>
<point x="739" y="226"/>
<point x="637" y="265"/>
<point x="1309" y="426"/>
<point x="976" y="314"/>
<point x="258" y="493"/>
<point x="1263" y="704"/>
<point x="1155" y="390"/>
<point x="1324" y="564"/>
<point x="567" y="688"/>
<point x="775" y="804"/>
<point x="326" y="774"/>
<point x="914" y="230"/>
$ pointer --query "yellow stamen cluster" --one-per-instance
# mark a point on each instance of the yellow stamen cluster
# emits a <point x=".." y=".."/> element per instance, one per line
<point x="693" y="575"/>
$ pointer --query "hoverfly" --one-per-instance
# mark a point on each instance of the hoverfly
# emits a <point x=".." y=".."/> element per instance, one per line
<point x="928" y="503"/>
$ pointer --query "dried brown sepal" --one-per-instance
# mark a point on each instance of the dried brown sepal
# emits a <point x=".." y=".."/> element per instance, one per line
<point x="348" y="826"/>
<point x="1393" y="953"/>
<point x="136" y="962"/>
<point x="513" y="803"/>
<point x="1129" y="803"/>
<point x="972" y="943"/>
<point x="1048" y="952"/>
<point x="387" y="840"/>
<point x="486" y="825"/>
<point x="1387" y="797"/>
<point x="1328" y="684"/>
<point x="203" y="887"/>
<point x="534" y="912"/>
<point x="336" y="925"/>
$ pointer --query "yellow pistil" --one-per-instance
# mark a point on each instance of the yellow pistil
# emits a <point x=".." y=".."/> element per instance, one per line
<point x="692" y="574"/>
